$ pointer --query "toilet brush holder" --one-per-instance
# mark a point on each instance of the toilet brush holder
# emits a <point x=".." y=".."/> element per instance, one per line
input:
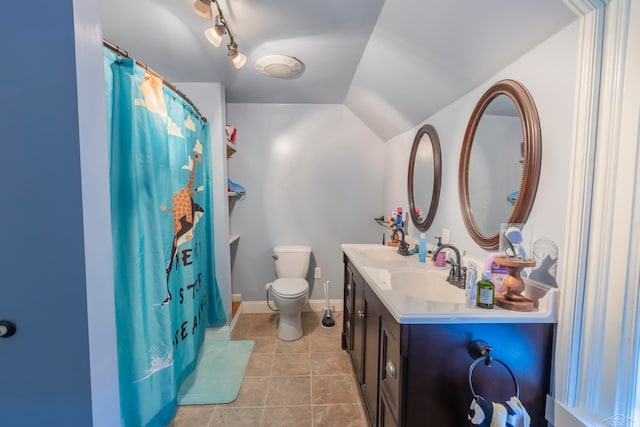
<point x="327" y="315"/>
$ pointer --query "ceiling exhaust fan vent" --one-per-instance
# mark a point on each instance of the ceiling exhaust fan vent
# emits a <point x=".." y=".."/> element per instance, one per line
<point x="280" y="66"/>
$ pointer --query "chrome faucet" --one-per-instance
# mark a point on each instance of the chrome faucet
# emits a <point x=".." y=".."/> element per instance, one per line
<point x="457" y="274"/>
<point x="403" y="247"/>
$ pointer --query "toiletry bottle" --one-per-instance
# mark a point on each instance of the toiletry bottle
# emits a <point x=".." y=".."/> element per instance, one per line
<point x="485" y="297"/>
<point x="399" y="217"/>
<point x="422" y="248"/>
<point x="498" y="271"/>
<point x="470" y="286"/>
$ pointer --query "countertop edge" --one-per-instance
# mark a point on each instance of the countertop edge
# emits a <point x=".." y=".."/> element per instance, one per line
<point x="484" y="316"/>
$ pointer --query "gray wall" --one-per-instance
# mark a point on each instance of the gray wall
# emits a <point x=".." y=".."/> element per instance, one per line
<point x="313" y="175"/>
<point x="549" y="73"/>
<point x="45" y="367"/>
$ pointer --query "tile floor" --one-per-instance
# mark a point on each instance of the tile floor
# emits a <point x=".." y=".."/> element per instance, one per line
<point x="308" y="382"/>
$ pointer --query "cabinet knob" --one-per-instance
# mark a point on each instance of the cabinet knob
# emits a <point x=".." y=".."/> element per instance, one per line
<point x="349" y="288"/>
<point x="361" y="313"/>
<point x="348" y="325"/>
<point x="7" y="328"/>
<point x="391" y="369"/>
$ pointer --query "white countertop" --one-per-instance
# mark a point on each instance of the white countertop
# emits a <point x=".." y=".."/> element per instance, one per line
<point x="376" y="262"/>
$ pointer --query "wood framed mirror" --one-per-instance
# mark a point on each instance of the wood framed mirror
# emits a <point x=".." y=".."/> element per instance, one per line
<point x="499" y="162"/>
<point x="424" y="177"/>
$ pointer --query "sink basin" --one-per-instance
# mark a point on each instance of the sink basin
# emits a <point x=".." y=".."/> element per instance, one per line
<point x="426" y="285"/>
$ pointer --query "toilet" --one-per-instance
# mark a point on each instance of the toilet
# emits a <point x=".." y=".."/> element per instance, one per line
<point x="290" y="290"/>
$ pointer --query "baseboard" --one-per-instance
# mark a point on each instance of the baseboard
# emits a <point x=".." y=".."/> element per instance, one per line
<point x="255" y="307"/>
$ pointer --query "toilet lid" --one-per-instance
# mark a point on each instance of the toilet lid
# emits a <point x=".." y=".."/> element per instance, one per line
<point x="290" y="288"/>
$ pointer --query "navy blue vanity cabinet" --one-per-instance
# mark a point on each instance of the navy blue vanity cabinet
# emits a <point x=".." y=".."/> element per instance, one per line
<point x="416" y="375"/>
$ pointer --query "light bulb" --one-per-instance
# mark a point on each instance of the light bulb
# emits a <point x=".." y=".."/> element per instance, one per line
<point x="238" y="59"/>
<point x="214" y="37"/>
<point x="203" y="8"/>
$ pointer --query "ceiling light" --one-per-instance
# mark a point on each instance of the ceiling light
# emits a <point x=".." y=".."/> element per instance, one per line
<point x="237" y="58"/>
<point x="203" y="8"/>
<point x="214" y="34"/>
<point x="280" y="66"/>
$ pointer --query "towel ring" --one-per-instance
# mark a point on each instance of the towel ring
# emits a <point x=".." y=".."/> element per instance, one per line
<point x="484" y="359"/>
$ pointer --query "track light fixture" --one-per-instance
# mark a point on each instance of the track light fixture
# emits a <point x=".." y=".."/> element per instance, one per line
<point x="203" y="8"/>
<point x="219" y="29"/>
<point x="214" y="34"/>
<point x="237" y="58"/>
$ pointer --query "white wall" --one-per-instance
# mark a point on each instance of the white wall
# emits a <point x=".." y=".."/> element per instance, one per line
<point x="314" y="176"/>
<point x="549" y="73"/>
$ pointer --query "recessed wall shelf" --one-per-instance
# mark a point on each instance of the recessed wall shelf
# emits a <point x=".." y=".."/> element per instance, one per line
<point x="233" y="238"/>
<point x="231" y="149"/>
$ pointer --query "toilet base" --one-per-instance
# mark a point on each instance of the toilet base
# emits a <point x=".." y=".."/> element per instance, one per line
<point x="290" y="326"/>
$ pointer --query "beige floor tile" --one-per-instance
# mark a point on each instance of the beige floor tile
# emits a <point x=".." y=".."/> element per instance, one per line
<point x="325" y="342"/>
<point x="236" y="417"/>
<point x="298" y="346"/>
<point x="262" y="330"/>
<point x="260" y="365"/>
<point x="333" y="389"/>
<point x="264" y="345"/>
<point x="331" y="363"/>
<point x="252" y="392"/>
<point x="284" y="379"/>
<point x="289" y="391"/>
<point x="310" y="322"/>
<point x="193" y="416"/>
<point x="291" y="365"/>
<point x="287" y="416"/>
<point x="337" y="415"/>
<point x="241" y="332"/>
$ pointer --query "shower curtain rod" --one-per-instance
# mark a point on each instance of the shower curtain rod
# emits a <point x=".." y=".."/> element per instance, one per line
<point x="171" y="86"/>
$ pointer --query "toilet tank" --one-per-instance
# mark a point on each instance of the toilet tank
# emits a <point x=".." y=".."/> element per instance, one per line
<point x="292" y="261"/>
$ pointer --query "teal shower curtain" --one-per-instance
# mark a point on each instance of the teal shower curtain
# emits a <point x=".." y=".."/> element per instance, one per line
<point x="162" y="219"/>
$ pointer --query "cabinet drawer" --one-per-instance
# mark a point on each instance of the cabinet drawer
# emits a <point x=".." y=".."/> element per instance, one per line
<point x="390" y="366"/>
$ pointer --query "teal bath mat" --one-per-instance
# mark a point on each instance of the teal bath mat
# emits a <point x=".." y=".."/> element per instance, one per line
<point x="219" y="373"/>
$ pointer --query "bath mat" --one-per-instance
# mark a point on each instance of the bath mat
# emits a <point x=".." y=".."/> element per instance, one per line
<point x="219" y="373"/>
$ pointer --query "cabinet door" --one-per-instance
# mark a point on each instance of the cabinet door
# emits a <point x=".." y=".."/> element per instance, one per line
<point x="386" y="415"/>
<point x="390" y="366"/>
<point x="370" y="357"/>
<point x="347" y="317"/>
<point x="358" y="327"/>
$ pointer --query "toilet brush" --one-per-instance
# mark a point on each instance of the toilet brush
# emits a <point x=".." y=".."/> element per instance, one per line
<point x="327" y="315"/>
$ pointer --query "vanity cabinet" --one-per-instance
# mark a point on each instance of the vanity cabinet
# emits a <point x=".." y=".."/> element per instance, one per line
<point x="360" y="337"/>
<point x="416" y="375"/>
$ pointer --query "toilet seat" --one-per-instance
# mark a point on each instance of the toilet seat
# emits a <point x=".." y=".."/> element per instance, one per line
<point x="290" y="287"/>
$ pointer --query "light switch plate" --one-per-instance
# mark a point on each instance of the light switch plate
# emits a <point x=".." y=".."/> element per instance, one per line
<point x="446" y="236"/>
<point x="316" y="273"/>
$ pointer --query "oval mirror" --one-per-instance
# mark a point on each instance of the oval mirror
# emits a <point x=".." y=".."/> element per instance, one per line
<point x="499" y="162"/>
<point x="424" y="177"/>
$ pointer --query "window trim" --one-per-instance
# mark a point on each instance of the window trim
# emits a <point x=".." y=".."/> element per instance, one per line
<point x="595" y="374"/>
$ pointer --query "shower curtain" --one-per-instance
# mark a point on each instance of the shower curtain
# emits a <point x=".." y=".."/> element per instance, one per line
<point x="161" y="207"/>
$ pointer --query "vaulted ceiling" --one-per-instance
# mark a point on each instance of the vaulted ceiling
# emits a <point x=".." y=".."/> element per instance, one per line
<point x="393" y="63"/>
